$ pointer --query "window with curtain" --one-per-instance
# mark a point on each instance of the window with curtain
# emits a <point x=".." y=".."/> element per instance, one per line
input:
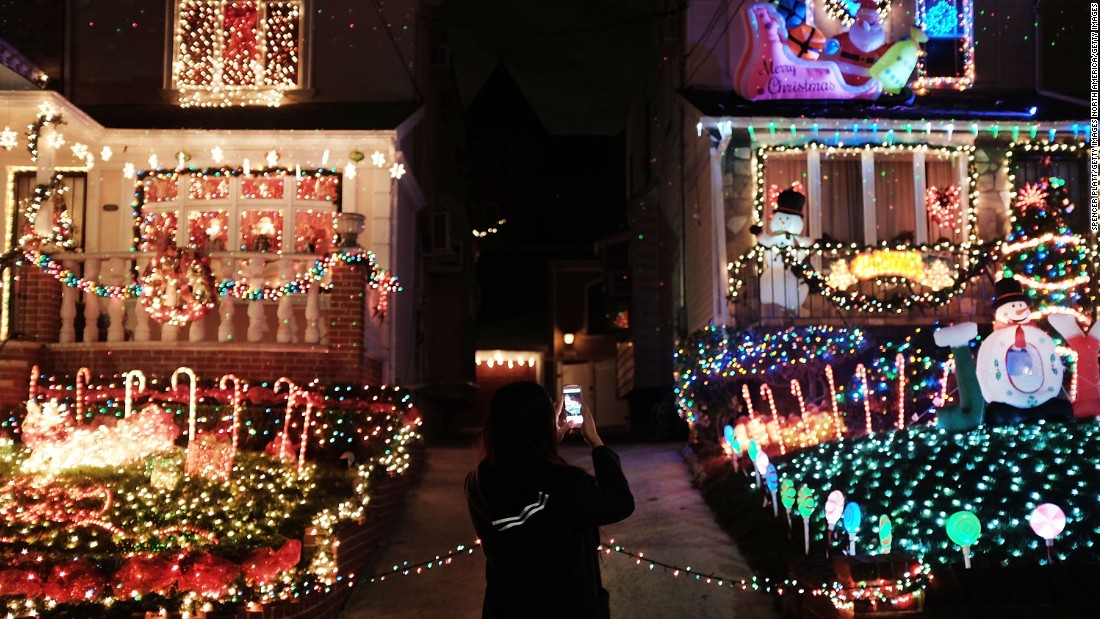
<point x="237" y="52"/>
<point x="781" y="172"/>
<point x="841" y="200"/>
<point x="945" y="214"/>
<point x="894" y="208"/>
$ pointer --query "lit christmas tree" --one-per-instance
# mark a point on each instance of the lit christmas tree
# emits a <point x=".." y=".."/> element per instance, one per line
<point x="1043" y="254"/>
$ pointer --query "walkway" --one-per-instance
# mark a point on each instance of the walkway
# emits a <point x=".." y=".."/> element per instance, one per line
<point x="671" y="524"/>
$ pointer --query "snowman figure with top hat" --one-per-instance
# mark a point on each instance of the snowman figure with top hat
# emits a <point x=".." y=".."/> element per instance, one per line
<point x="1018" y="373"/>
<point x="780" y="289"/>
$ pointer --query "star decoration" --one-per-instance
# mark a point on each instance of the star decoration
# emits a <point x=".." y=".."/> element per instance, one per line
<point x="1031" y="196"/>
<point x="397" y="170"/>
<point x="378" y="159"/>
<point x="216" y="154"/>
<point x="8" y="139"/>
<point x="106" y="153"/>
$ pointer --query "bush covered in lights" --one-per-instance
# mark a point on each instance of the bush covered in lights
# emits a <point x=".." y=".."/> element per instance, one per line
<point x="155" y="535"/>
<point x="920" y="476"/>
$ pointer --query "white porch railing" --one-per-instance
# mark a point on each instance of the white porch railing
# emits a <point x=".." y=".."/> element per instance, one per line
<point x="291" y="319"/>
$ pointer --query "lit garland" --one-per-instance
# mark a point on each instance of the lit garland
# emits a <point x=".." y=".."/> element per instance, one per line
<point x="47" y="116"/>
<point x="976" y="259"/>
<point x="236" y="54"/>
<point x="61" y="228"/>
<point x="948" y="20"/>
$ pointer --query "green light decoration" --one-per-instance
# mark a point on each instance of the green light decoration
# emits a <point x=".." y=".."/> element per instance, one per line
<point x="806" y="506"/>
<point x="788" y="495"/>
<point x="753" y="450"/>
<point x="964" y="529"/>
<point x="885" y="533"/>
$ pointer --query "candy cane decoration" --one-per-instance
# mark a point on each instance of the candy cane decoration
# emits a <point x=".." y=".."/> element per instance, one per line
<point x="766" y="393"/>
<point x="192" y="409"/>
<point x="86" y="374"/>
<point x="747" y="395"/>
<point x="284" y="446"/>
<point x="236" y="405"/>
<point x="35" y="373"/>
<point x="796" y="391"/>
<point x="861" y="374"/>
<point x="128" y="380"/>
<point x="948" y="367"/>
<point x="899" y="361"/>
<point x="305" y="437"/>
<point x="832" y="399"/>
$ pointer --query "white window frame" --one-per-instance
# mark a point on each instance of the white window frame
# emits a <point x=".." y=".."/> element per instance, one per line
<point x="220" y="95"/>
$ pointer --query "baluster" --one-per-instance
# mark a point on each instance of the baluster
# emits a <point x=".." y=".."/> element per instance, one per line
<point x="313" y="314"/>
<point x="141" y="317"/>
<point x="226" y="307"/>
<point x="91" y="303"/>
<point x="285" y="312"/>
<point x="197" y="331"/>
<point x="68" y="310"/>
<point x="256" y="307"/>
<point x="116" y="308"/>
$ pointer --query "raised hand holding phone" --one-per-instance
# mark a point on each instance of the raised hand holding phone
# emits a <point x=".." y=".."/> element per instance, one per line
<point x="571" y="394"/>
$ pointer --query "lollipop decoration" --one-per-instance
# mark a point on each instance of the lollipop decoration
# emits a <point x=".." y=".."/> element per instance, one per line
<point x="806" y="507"/>
<point x="753" y="451"/>
<point x="727" y="433"/>
<point x="885" y="533"/>
<point x="771" y="479"/>
<point x="1048" y="521"/>
<point x="964" y="529"/>
<point x="788" y="495"/>
<point x="853" y="518"/>
<point x="762" y="463"/>
<point x="834" y="508"/>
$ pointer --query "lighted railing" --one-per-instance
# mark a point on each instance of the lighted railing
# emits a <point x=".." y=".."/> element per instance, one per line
<point x="847" y="284"/>
<point x="286" y="319"/>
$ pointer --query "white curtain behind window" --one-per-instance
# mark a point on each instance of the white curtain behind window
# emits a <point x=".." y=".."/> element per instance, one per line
<point x="782" y="171"/>
<point x="841" y="200"/>
<point x="894" y="209"/>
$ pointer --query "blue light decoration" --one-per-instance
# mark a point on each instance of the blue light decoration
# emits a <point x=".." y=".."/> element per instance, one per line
<point x="941" y="21"/>
<point x="717" y="352"/>
<point x="922" y="475"/>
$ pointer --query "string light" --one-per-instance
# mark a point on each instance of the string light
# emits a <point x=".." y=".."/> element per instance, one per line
<point x="941" y="19"/>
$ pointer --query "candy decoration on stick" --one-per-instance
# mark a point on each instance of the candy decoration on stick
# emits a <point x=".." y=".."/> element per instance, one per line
<point x="885" y="533"/>
<point x="762" y="463"/>
<point x="83" y="377"/>
<point x="133" y="378"/>
<point x="727" y="433"/>
<point x="853" y="519"/>
<point x="292" y="395"/>
<point x="964" y="529"/>
<point x="787" y="494"/>
<point x="754" y="451"/>
<point x="899" y="361"/>
<point x="1048" y="521"/>
<point x="796" y="391"/>
<point x="771" y="479"/>
<point x="834" y="508"/>
<point x="861" y="374"/>
<point x="941" y="399"/>
<point x="747" y="395"/>
<point x="806" y="507"/>
<point x="832" y="400"/>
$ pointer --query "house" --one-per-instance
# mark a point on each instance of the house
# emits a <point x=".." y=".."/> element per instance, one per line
<point x="909" y="168"/>
<point x="224" y="186"/>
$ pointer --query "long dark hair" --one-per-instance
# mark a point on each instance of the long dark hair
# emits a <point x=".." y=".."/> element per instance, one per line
<point x="521" y="428"/>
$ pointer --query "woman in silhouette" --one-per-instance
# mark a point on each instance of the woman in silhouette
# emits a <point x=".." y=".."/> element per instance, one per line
<point x="536" y="515"/>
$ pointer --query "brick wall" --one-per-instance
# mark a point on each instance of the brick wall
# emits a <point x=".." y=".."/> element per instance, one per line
<point x="36" y="306"/>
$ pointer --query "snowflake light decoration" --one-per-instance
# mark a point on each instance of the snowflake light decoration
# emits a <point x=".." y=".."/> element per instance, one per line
<point x="8" y="139"/>
<point x="378" y="159"/>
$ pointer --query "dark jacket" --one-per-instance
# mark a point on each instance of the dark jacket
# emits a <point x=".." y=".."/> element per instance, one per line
<point x="538" y="527"/>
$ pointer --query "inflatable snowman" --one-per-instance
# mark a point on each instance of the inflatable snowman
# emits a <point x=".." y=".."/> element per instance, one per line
<point x="778" y="285"/>
<point x="1018" y="370"/>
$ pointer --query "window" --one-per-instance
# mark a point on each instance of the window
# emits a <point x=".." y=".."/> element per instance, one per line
<point x="948" y="58"/>
<point x="237" y="52"/>
<point x="271" y="211"/>
<point x="62" y="211"/>
<point x="870" y="195"/>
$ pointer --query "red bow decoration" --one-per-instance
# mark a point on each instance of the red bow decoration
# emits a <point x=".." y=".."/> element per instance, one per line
<point x="23" y="583"/>
<point x="78" y="580"/>
<point x="142" y="575"/>
<point x="209" y="576"/>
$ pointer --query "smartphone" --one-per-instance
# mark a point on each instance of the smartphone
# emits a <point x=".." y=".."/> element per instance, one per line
<point x="572" y="396"/>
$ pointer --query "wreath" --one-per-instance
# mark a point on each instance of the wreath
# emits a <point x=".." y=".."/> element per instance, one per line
<point x="46" y="116"/>
<point x="178" y="286"/>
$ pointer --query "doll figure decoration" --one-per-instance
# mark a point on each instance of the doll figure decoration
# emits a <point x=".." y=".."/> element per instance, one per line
<point x="778" y="285"/>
